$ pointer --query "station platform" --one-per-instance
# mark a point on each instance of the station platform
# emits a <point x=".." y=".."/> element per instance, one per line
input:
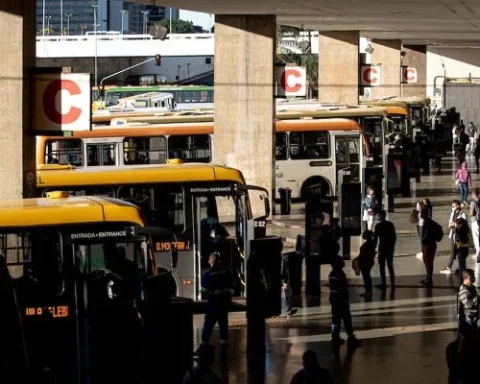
<point x="404" y="332"/>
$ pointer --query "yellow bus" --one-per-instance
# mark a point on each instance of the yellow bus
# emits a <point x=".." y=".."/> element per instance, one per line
<point x="76" y="282"/>
<point x="308" y="151"/>
<point x="208" y="208"/>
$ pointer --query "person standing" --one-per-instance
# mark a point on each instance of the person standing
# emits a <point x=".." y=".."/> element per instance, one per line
<point x="429" y="245"/>
<point x="419" y="207"/>
<point x="217" y="284"/>
<point x="286" y="295"/>
<point x="340" y="304"/>
<point x="386" y="238"/>
<point x="468" y="308"/>
<point x="366" y="260"/>
<point x="454" y="136"/>
<point x="476" y="155"/>
<point x="457" y="213"/>
<point x="474" y="214"/>
<point x="471" y="132"/>
<point x="370" y="207"/>
<point x="463" y="180"/>
<point x="463" y="243"/>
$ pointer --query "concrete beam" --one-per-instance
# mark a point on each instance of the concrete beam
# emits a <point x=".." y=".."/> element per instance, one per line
<point x="387" y="53"/>
<point x="338" y="67"/>
<point x="244" y="99"/>
<point x="17" y="40"/>
<point x="416" y="57"/>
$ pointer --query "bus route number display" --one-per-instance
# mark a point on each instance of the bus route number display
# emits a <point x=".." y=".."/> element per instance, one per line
<point x="166" y="246"/>
<point x="59" y="311"/>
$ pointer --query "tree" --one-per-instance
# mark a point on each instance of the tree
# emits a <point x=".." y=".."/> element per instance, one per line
<point x="289" y="52"/>
<point x="180" y="26"/>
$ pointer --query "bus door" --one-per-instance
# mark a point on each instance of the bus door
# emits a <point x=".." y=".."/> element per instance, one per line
<point x="220" y="225"/>
<point x="102" y="152"/>
<point x="348" y="149"/>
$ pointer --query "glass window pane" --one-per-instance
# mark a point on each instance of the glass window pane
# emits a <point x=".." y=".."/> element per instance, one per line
<point x="109" y="154"/>
<point x="68" y="151"/>
<point x="145" y="150"/>
<point x="309" y="145"/>
<point x="190" y="148"/>
<point x="281" y="146"/>
<point x="93" y="155"/>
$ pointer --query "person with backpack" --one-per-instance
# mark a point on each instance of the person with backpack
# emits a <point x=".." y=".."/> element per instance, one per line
<point x="463" y="180"/>
<point x="432" y="233"/>
<point x="456" y="214"/>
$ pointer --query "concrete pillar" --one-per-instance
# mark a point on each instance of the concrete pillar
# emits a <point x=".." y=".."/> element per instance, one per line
<point x="387" y="53"/>
<point x="17" y="42"/>
<point x="338" y="67"/>
<point x="244" y="99"/>
<point x="416" y="57"/>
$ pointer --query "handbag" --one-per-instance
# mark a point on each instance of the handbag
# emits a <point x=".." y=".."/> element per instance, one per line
<point x="356" y="266"/>
<point x="414" y="216"/>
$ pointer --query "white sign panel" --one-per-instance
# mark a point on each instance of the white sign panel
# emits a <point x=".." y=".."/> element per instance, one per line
<point x="370" y="75"/>
<point x="409" y="75"/>
<point x="63" y="102"/>
<point x="291" y="81"/>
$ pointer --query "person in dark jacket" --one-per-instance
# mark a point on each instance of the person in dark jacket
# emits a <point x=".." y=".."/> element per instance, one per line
<point x="312" y="371"/>
<point x="429" y="246"/>
<point x="340" y="304"/>
<point x="386" y="237"/>
<point x="217" y="285"/>
<point x="366" y="260"/>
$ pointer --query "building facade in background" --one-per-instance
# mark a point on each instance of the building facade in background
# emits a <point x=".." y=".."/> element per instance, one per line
<point x="76" y="17"/>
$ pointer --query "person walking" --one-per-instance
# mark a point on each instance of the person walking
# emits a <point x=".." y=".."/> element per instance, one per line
<point x="366" y="261"/>
<point x="386" y="238"/>
<point x="217" y="284"/>
<point x="457" y="213"/>
<point x="286" y="295"/>
<point x="418" y="220"/>
<point x="476" y="156"/>
<point x="370" y="207"/>
<point x="340" y="304"/>
<point x="463" y="180"/>
<point x="431" y="234"/>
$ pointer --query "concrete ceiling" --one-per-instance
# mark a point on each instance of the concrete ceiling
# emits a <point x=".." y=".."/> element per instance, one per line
<point x="451" y="22"/>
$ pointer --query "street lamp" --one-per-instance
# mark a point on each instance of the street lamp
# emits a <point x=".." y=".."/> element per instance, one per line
<point x="95" y="25"/>
<point x="43" y="18"/>
<point x="145" y="21"/>
<point x="68" y="15"/>
<point x="123" y="11"/>
<point x="61" y="17"/>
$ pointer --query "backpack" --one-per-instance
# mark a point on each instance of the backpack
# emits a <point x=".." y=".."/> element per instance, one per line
<point x="437" y="231"/>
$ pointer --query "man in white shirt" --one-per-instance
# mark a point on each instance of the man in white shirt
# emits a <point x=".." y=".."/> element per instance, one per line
<point x="456" y="214"/>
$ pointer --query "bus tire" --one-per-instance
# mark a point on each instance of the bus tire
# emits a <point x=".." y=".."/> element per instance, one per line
<point x="172" y="284"/>
<point x="313" y="181"/>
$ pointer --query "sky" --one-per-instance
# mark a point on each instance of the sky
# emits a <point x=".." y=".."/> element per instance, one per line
<point x="198" y="18"/>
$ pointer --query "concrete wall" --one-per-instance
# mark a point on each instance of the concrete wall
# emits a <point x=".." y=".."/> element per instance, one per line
<point x="387" y="53"/>
<point x="452" y="62"/>
<point x="244" y="103"/>
<point x="17" y="41"/>
<point x="338" y="67"/>
<point x="416" y="57"/>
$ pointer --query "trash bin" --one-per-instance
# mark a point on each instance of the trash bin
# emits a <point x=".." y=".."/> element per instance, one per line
<point x="285" y="201"/>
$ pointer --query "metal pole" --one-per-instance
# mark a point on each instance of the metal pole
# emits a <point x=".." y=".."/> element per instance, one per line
<point x="43" y="18"/>
<point x="95" y="36"/>
<point x="61" y="17"/>
<point x="68" y="15"/>
<point x="170" y="20"/>
<point x="126" y="69"/>
<point x="123" y="13"/>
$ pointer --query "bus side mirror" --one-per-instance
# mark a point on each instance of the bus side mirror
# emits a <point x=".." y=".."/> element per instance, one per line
<point x="266" y="200"/>
<point x="174" y="257"/>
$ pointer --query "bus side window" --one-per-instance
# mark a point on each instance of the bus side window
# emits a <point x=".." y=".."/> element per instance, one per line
<point x="66" y="151"/>
<point x="190" y="148"/>
<point x="309" y="145"/>
<point x="281" y="146"/>
<point x="145" y="150"/>
<point x="93" y="155"/>
<point x="109" y="154"/>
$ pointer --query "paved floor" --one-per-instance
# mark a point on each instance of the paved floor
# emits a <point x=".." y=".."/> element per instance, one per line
<point x="404" y="332"/>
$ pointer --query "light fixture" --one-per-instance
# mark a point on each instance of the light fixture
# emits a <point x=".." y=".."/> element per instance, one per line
<point x="369" y="49"/>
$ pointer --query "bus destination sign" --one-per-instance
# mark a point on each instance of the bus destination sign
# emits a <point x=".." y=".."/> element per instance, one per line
<point x="59" y="311"/>
<point x="166" y="246"/>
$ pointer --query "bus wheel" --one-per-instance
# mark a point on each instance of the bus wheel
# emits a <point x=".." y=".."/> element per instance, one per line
<point x="172" y="285"/>
<point x="314" y="181"/>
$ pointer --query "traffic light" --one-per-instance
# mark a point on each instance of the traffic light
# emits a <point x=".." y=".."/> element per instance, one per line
<point x="158" y="60"/>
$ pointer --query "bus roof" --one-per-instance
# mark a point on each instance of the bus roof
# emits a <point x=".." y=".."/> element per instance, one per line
<point x="317" y="124"/>
<point x="340" y="112"/>
<point x="163" y="173"/>
<point x="141" y="88"/>
<point x="150" y="117"/>
<point x="69" y="210"/>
